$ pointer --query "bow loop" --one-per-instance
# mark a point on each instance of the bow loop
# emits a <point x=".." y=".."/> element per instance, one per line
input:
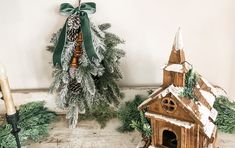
<point x="88" y="7"/>
<point x="66" y="9"/>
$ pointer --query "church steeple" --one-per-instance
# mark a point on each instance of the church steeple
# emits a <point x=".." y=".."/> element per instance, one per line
<point x="177" y="54"/>
<point x="175" y="70"/>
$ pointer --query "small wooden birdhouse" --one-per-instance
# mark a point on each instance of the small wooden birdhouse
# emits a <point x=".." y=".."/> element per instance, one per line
<point x="178" y="121"/>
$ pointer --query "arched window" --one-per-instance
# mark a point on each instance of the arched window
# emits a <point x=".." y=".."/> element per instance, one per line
<point x="168" y="104"/>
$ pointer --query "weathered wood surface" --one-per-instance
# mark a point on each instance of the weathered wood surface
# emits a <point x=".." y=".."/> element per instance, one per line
<point x="89" y="135"/>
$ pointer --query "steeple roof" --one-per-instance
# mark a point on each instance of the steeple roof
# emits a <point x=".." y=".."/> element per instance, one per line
<point x="177" y="54"/>
<point x="178" y="41"/>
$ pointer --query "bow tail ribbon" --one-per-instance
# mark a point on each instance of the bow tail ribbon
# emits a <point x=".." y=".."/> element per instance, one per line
<point x="87" y="37"/>
<point x="60" y="46"/>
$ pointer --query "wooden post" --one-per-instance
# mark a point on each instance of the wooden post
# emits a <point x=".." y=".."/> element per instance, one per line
<point x="77" y="52"/>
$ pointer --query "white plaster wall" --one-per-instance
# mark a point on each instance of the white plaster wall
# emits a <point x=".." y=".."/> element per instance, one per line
<point x="148" y="26"/>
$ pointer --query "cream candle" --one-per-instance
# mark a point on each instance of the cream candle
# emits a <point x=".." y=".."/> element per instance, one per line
<point x="6" y="92"/>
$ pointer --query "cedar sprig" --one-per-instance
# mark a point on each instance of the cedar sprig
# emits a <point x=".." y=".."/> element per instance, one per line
<point x="34" y="122"/>
<point x="226" y="114"/>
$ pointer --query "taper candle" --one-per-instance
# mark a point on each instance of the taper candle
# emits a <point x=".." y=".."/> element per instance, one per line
<point x="6" y="92"/>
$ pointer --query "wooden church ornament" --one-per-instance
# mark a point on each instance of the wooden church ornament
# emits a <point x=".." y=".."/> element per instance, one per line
<point x="176" y="121"/>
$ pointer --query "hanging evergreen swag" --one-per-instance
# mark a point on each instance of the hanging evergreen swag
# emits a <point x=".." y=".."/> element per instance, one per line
<point x="86" y="63"/>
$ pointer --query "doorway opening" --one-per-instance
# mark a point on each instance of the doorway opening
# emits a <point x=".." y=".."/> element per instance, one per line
<point x="169" y="139"/>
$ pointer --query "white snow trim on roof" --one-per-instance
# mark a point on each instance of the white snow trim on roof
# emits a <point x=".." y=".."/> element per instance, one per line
<point x="205" y="113"/>
<point x="217" y="92"/>
<point x="210" y="98"/>
<point x="175" y="68"/>
<point x="154" y="93"/>
<point x="171" y="89"/>
<point x="145" y="102"/>
<point x="197" y="86"/>
<point x="170" y="120"/>
<point x="209" y="128"/>
<point x="178" y="67"/>
<point x="213" y="114"/>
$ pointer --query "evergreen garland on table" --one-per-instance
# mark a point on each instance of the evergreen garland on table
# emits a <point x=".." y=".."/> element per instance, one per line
<point x="142" y="126"/>
<point x="34" y="123"/>
<point x="226" y="114"/>
<point x="79" y="90"/>
<point x="133" y="119"/>
<point x="129" y="112"/>
<point x="101" y="112"/>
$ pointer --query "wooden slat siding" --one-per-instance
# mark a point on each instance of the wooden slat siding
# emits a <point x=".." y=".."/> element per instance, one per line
<point x="189" y="142"/>
<point x="153" y="126"/>
<point x="198" y="136"/>
<point x="182" y="56"/>
<point x="183" y="138"/>
<point x="178" y="79"/>
<point x="167" y="78"/>
<point x="173" y="56"/>
<point x="177" y="56"/>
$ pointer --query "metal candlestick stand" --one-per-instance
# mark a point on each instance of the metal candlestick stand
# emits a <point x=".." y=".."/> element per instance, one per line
<point x="13" y="121"/>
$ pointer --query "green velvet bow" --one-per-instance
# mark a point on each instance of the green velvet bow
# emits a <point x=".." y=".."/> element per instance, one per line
<point x="68" y="9"/>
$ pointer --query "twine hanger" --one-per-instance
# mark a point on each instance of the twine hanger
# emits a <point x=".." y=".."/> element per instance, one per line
<point x="79" y="2"/>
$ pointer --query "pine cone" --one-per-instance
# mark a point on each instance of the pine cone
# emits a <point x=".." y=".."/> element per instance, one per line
<point x="72" y="34"/>
<point x="73" y="27"/>
<point x="74" y="86"/>
<point x="74" y="21"/>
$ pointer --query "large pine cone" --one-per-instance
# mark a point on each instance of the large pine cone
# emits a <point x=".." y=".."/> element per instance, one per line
<point x="72" y="34"/>
<point x="73" y="21"/>
<point x="74" y="86"/>
<point x="73" y="27"/>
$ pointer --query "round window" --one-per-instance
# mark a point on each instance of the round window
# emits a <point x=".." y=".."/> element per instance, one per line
<point x="168" y="105"/>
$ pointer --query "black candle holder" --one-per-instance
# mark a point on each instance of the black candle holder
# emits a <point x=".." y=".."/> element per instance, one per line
<point x="13" y="121"/>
